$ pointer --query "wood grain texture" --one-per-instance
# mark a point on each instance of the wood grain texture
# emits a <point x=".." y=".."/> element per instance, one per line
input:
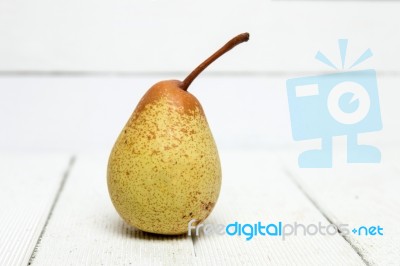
<point x="28" y="187"/>
<point x="255" y="188"/>
<point x="359" y="195"/>
<point x="85" y="228"/>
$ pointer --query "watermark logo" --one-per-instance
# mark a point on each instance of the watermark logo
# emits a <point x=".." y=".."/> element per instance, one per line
<point x="343" y="103"/>
<point x="278" y="229"/>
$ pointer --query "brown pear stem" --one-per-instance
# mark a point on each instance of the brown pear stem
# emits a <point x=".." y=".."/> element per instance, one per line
<point x="244" y="37"/>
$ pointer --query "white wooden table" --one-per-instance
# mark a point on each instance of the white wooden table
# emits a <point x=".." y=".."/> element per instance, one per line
<point x="54" y="203"/>
<point x="55" y="210"/>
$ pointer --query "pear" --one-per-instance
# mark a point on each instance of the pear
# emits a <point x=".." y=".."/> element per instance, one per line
<point x="164" y="169"/>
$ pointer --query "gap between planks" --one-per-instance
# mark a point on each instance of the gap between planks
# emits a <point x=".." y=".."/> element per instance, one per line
<point x="109" y="245"/>
<point x="53" y="205"/>
<point x="323" y="213"/>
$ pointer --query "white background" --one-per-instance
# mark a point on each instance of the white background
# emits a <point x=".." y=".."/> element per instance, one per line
<point x="73" y="71"/>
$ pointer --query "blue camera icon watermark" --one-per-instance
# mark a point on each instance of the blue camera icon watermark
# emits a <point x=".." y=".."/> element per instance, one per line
<point x="343" y="103"/>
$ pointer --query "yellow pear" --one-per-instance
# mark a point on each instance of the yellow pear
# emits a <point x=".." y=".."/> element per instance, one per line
<point x="164" y="169"/>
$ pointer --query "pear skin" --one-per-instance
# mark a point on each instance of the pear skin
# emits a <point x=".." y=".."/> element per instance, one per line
<point x="164" y="169"/>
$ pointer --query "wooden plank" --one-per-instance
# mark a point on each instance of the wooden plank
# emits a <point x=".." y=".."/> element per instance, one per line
<point x="150" y="36"/>
<point x="256" y="189"/>
<point x="266" y="102"/>
<point x="28" y="187"/>
<point x="258" y="110"/>
<point x="86" y="229"/>
<point x="359" y="195"/>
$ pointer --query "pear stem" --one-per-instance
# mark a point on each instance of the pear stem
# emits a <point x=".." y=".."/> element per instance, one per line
<point x="244" y="37"/>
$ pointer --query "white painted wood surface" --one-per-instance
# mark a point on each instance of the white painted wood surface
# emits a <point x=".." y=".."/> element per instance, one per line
<point x="256" y="188"/>
<point x="359" y="195"/>
<point x="67" y="114"/>
<point x="85" y="229"/>
<point x="28" y="188"/>
<point x="254" y="114"/>
<point x="154" y="36"/>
